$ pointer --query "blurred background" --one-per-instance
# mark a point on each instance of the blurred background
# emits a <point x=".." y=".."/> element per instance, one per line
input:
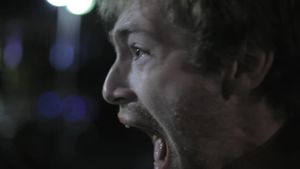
<point x="52" y="116"/>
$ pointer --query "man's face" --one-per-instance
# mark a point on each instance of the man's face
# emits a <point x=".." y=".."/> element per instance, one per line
<point x="162" y="93"/>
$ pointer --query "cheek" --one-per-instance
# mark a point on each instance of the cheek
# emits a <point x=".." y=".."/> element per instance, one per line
<point x="158" y="92"/>
<point x="175" y="96"/>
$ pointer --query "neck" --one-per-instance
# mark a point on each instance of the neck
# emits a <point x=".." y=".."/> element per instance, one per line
<point x="259" y="123"/>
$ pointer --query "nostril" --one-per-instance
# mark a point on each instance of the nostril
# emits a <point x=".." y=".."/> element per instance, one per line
<point x="120" y="100"/>
<point x="119" y="96"/>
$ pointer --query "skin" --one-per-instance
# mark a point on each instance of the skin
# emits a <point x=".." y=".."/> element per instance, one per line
<point x="160" y="91"/>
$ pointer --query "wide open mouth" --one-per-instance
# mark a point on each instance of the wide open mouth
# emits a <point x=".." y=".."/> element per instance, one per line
<point x="161" y="149"/>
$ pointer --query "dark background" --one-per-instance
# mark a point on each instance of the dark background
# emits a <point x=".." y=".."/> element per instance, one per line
<point x="57" y="119"/>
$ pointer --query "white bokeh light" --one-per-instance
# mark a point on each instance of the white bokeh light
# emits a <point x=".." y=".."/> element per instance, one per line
<point x="58" y="2"/>
<point x="80" y="7"/>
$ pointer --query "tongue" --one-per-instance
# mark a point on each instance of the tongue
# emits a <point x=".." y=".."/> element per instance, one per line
<point x="160" y="152"/>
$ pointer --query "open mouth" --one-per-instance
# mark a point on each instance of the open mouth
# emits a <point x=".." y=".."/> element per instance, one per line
<point x="161" y="149"/>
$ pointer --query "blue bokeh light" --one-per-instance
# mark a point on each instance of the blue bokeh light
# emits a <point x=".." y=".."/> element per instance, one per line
<point x="62" y="55"/>
<point x="13" y="51"/>
<point x="49" y="105"/>
<point x="74" y="108"/>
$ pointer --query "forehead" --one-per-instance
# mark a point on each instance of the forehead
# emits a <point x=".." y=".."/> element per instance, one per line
<point x="151" y="18"/>
<point x="140" y="16"/>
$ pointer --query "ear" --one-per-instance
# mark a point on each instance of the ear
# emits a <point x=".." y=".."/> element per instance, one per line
<point x="246" y="73"/>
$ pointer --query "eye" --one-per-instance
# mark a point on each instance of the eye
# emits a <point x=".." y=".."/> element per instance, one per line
<point x="138" y="52"/>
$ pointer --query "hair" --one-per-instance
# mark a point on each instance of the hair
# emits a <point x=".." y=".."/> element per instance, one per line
<point x="225" y="27"/>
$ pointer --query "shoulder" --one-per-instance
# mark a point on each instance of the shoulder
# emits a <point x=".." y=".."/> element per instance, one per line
<point x="282" y="151"/>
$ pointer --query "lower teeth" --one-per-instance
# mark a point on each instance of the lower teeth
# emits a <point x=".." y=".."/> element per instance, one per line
<point x="160" y="150"/>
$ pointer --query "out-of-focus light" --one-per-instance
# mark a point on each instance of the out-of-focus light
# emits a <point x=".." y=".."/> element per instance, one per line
<point x="62" y="56"/>
<point x="13" y="51"/>
<point x="49" y="105"/>
<point x="58" y="2"/>
<point x="74" y="108"/>
<point x="80" y="7"/>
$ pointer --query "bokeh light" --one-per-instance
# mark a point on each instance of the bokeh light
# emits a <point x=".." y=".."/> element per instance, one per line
<point x="49" y="105"/>
<point x="13" y="51"/>
<point x="58" y="3"/>
<point x="74" y="108"/>
<point x="80" y="7"/>
<point x="62" y="55"/>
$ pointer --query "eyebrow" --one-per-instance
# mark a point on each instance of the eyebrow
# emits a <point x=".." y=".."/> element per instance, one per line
<point x="124" y="31"/>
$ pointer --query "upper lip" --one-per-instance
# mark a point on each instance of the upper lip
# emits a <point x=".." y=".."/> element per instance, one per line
<point x="136" y="119"/>
<point x="149" y="130"/>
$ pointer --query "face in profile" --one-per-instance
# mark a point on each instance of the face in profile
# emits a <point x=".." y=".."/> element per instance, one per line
<point x="162" y="93"/>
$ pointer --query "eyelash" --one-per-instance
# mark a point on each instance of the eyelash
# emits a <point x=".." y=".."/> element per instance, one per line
<point x="138" y="52"/>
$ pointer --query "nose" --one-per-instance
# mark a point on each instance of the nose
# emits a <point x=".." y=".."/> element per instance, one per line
<point x="116" y="89"/>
